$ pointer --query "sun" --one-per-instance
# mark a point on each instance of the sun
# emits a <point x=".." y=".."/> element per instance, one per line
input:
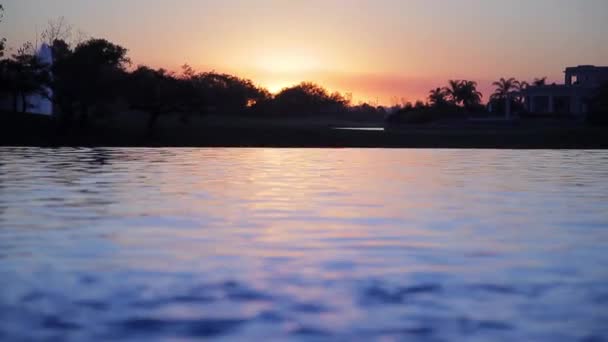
<point x="295" y="62"/>
<point x="275" y="87"/>
<point x="280" y="68"/>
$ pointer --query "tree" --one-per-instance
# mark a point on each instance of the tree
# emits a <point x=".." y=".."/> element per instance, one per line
<point x="520" y="87"/>
<point x="57" y="29"/>
<point x="8" y="81"/>
<point x="463" y="92"/>
<point x="61" y="50"/>
<point x="508" y="95"/>
<point x="96" y="54"/>
<point x="63" y="96"/>
<point x="228" y="93"/>
<point x="2" y="39"/>
<point x="309" y="98"/>
<point x="538" y="82"/>
<point x="453" y="91"/>
<point x="438" y="97"/>
<point x="470" y="96"/>
<point x="89" y="75"/>
<point x="150" y="91"/>
<point x="4" y="81"/>
<point x="504" y="88"/>
<point x="158" y="92"/>
<point x="22" y="75"/>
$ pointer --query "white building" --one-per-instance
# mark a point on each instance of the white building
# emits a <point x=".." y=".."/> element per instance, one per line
<point x="570" y="98"/>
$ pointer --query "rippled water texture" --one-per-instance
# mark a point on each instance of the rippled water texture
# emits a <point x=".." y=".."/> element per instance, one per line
<point x="272" y="244"/>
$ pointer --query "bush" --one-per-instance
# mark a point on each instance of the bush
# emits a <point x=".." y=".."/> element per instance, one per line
<point x="414" y="117"/>
<point x="597" y="118"/>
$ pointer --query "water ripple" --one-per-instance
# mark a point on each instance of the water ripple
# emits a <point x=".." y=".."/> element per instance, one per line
<point x="281" y="244"/>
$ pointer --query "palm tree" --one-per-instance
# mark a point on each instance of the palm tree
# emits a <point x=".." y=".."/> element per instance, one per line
<point x="504" y="87"/>
<point x="469" y="94"/>
<point x="509" y="88"/>
<point x="452" y="91"/>
<point x="520" y="87"/>
<point x="463" y="92"/>
<point x="437" y="97"/>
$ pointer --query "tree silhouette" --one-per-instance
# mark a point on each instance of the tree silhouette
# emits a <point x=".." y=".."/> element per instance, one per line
<point x="227" y="93"/>
<point x="520" y="87"/>
<point x="57" y="29"/>
<point x="453" y="91"/>
<point x="93" y="75"/>
<point x="158" y="92"/>
<point x="2" y="39"/>
<point x="463" y="92"/>
<point x="510" y="89"/>
<point x="9" y="82"/>
<point x="308" y="98"/>
<point x="471" y="97"/>
<point x="61" y="50"/>
<point x="504" y="88"/>
<point x="4" y="77"/>
<point x="538" y="82"/>
<point x="22" y="75"/>
<point x="438" y="97"/>
<point x="154" y="92"/>
<point x="89" y="75"/>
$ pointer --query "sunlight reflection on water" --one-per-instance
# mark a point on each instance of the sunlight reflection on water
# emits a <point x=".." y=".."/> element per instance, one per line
<point x="361" y="128"/>
<point x="341" y="244"/>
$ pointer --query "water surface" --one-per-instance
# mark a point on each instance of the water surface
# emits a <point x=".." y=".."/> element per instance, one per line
<point x="276" y="244"/>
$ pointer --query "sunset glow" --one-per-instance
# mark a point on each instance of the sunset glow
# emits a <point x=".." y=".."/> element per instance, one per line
<point x="381" y="51"/>
<point x="302" y="170"/>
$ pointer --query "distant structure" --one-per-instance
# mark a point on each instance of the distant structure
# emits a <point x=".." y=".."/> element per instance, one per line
<point x="38" y="103"/>
<point x="570" y="98"/>
<point x="35" y="103"/>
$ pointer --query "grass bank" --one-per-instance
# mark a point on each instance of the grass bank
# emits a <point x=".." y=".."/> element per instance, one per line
<point x="33" y="130"/>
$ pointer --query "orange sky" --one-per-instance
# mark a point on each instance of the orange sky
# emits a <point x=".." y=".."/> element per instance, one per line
<point x="378" y="50"/>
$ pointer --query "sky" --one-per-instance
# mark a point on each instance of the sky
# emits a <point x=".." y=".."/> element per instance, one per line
<point x="383" y="51"/>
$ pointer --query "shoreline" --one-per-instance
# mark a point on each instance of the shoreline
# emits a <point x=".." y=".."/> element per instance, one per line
<point x="32" y="130"/>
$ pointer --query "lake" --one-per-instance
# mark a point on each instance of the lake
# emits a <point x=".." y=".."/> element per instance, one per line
<point x="277" y="244"/>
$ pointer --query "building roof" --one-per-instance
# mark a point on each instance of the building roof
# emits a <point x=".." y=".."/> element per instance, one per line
<point x="587" y="68"/>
